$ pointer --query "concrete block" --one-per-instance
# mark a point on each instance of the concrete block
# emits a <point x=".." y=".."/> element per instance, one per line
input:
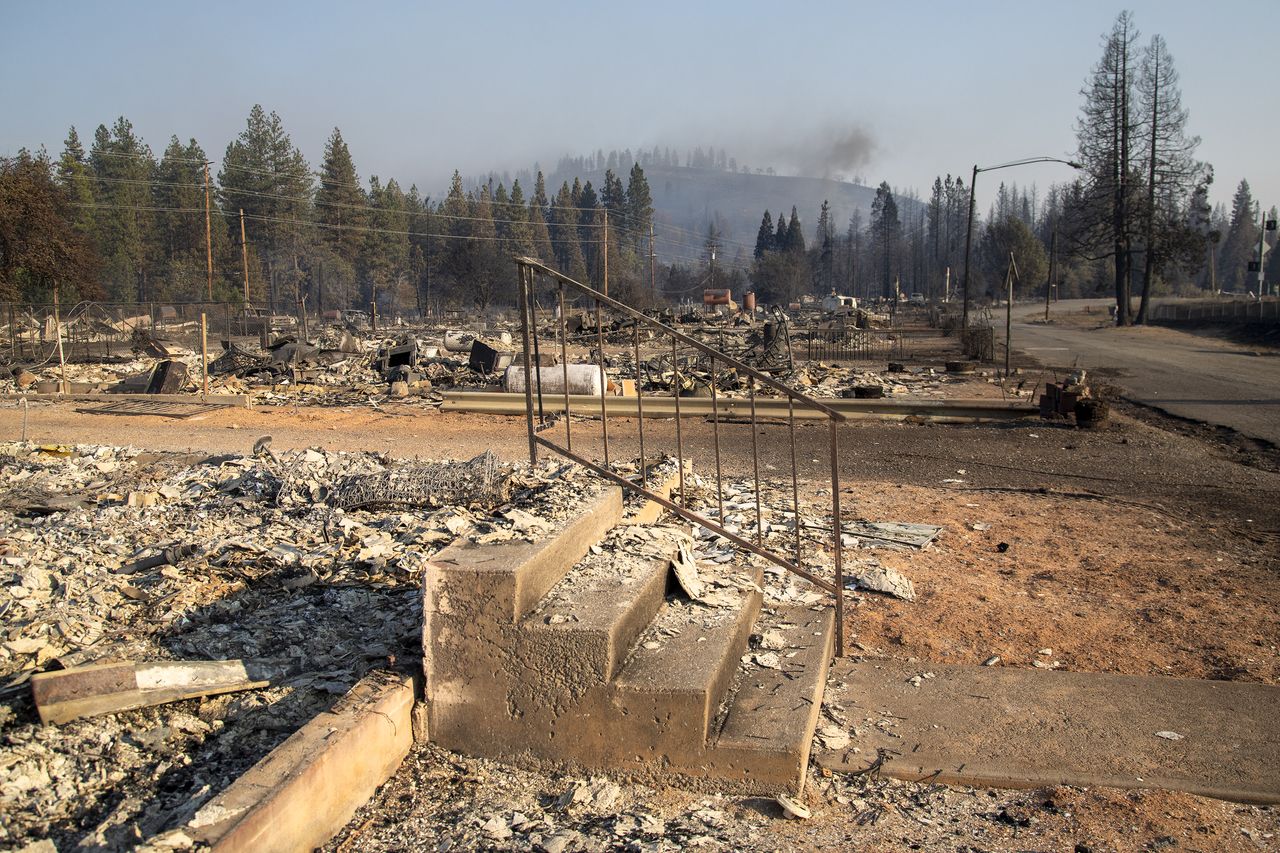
<point x="308" y="788"/>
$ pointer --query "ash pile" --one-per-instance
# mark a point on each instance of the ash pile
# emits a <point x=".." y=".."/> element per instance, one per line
<point x="341" y="363"/>
<point x="305" y="564"/>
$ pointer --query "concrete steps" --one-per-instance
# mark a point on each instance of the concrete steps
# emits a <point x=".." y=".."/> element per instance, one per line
<point x="585" y="625"/>
<point x="676" y="686"/>
<point x="590" y="656"/>
<point x="768" y="728"/>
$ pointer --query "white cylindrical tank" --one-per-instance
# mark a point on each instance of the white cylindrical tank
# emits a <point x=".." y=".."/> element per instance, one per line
<point x="583" y="379"/>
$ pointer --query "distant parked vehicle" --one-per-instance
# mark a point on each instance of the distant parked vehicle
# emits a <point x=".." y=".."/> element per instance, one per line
<point x="917" y="299"/>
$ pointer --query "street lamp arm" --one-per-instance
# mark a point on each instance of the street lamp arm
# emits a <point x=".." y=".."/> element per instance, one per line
<point x="1029" y="160"/>
<point x="968" y="237"/>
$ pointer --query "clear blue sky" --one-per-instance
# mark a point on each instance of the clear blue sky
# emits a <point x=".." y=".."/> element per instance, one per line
<point x="419" y="89"/>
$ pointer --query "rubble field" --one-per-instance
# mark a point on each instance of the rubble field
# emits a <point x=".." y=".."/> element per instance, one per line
<point x="326" y="588"/>
<point x="307" y="562"/>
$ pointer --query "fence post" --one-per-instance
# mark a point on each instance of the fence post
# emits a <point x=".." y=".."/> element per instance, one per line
<point x="204" y="353"/>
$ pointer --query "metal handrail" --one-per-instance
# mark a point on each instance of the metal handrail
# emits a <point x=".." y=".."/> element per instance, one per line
<point x="528" y="269"/>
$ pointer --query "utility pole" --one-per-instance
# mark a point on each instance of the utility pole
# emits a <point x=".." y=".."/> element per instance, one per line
<point x="968" y="243"/>
<point x="606" y="251"/>
<point x="1262" y="233"/>
<point x="244" y="258"/>
<point x="1053" y="268"/>
<point x="208" y="232"/>
<point x="653" y="276"/>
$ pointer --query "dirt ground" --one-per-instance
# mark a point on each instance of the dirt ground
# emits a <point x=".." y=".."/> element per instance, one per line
<point x="1139" y="549"/>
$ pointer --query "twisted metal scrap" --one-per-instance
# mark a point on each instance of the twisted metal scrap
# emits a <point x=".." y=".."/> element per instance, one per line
<point x="479" y="482"/>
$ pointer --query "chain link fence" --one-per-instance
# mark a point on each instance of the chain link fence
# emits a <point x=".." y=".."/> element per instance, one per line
<point x="97" y="330"/>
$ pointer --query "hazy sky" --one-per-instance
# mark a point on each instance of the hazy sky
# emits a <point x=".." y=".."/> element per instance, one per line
<point x="420" y="89"/>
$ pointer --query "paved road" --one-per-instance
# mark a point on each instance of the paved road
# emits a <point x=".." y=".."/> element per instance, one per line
<point x="1188" y="375"/>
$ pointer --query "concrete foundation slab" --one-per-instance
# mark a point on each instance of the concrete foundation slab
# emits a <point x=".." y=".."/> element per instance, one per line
<point x="1004" y="727"/>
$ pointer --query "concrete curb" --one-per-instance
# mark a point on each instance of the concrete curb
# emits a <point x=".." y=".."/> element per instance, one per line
<point x="308" y="787"/>
<point x="230" y="400"/>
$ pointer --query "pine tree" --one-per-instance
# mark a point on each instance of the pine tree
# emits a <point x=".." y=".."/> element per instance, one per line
<point x="179" y="187"/>
<point x="519" y="231"/>
<point x="764" y="236"/>
<point x="639" y="205"/>
<point x="885" y="232"/>
<point x="455" y="222"/>
<point x="1104" y="134"/>
<point x="781" y="239"/>
<point x="539" y="234"/>
<point x="267" y="177"/>
<point x="76" y="180"/>
<point x="590" y="231"/>
<point x="123" y="169"/>
<point x="795" y="236"/>
<point x="1170" y="167"/>
<point x="341" y="204"/>
<point x="488" y="271"/>
<point x="1241" y="243"/>
<point x="826" y="249"/>
<point x="564" y="235"/>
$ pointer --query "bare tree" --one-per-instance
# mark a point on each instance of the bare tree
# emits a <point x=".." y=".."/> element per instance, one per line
<point x="1171" y="168"/>
<point x="1103" y="135"/>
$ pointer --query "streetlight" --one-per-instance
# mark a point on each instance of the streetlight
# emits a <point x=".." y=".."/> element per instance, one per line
<point x="968" y="238"/>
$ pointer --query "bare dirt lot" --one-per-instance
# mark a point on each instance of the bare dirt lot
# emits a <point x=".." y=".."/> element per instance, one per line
<point x="1136" y="549"/>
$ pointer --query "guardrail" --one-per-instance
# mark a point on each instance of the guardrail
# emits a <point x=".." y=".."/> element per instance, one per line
<point x="1265" y="311"/>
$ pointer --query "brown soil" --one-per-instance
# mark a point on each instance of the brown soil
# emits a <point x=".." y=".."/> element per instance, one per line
<point x="1164" y="562"/>
<point x="1108" y="587"/>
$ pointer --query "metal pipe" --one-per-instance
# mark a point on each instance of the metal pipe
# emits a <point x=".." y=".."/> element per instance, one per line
<point x="528" y="386"/>
<point x="715" y="432"/>
<point x="644" y="473"/>
<point x="968" y="246"/>
<point x="537" y="353"/>
<point x="675" y="387"/>
<point x="795" y="477"/>
<point x="604" y="385"/>
<point x="562" y="330"/>
<point x="755" y="460"/>
<point x="837" y="534"/>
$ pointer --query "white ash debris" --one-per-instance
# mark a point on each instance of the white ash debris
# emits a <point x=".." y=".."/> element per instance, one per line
<point x="819" y="379"/>
<point x="318" y="593"/>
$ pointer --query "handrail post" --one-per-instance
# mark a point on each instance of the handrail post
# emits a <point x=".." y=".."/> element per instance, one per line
<point x="526" y="273"/>
<point x="837" y="535"/>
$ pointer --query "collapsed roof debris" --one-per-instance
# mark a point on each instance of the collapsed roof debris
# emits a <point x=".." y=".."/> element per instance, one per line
<point x="342" y="362"/>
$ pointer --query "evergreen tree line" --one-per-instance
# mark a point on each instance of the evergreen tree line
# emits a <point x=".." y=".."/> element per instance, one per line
<point x="1136" y="221"/>
<point x="663" y="157"/>
<point x="116" y="223"/>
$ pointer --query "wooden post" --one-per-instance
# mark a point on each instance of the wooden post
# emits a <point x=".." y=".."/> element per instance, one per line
<point x="373" y="313"/>
<point x="63" y="387"/>
<point x="244" y="258"/>
<point x="208" y="232"/>
<point x="1008" y="313"/>
<point x="606" y="255"/>
<point x="204" y="352"/>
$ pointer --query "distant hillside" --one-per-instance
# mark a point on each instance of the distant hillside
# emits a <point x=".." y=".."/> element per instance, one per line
<point x="692" y="198"/>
